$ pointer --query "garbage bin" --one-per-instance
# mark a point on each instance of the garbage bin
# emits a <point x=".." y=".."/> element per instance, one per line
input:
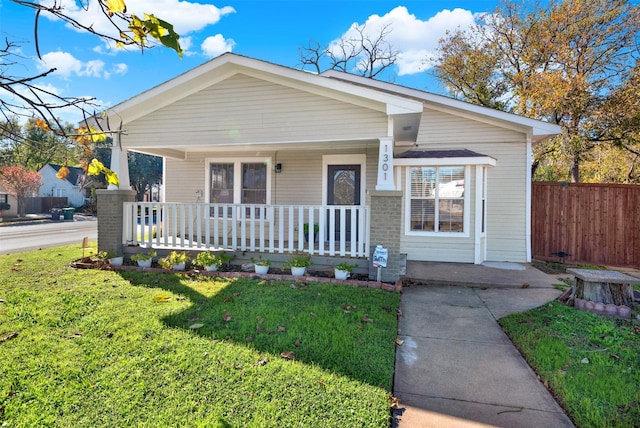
<point x="67" y="213"/>
<point x="55" y="214"/>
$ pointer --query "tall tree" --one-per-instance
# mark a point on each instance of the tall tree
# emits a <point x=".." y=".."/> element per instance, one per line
<point x="33" y="147"/>
<point x="555" y="62"/>
<point x="361" y="51"/>
<point x="20" y="182"/>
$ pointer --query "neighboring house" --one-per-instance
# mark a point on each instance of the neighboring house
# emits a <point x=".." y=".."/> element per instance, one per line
<point x="300" y="147"/>
<point x="70" y="187"/>
<point x="5" y="197"/>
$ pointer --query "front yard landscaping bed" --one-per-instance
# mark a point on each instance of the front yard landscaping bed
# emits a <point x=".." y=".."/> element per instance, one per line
<point x="89" y="347"/>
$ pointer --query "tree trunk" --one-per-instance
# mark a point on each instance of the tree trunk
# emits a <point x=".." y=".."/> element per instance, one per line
<point x="21" y="206"/>
<point x="575" y="171"/>
<point x="604" y="292"/>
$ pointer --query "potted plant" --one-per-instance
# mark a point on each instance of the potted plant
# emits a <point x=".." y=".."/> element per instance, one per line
<point x="144" y="259"/>
<point x="305" y="230"/>
<point x="343" y="270"/>
<point x="261" y="265"/>
<point x="175" y="260"/>
<point x="298" y="262"/>
<point x="111" y="258"/>
<point x="212" y="261"/>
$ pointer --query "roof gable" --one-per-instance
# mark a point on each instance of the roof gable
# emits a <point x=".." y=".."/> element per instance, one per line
<point x="228" y="65"/>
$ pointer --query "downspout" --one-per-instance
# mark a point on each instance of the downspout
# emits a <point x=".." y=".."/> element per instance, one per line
<point x="529" y="157"/>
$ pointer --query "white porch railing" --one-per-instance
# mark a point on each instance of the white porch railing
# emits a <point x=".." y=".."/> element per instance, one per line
<point x="342" y="229"/>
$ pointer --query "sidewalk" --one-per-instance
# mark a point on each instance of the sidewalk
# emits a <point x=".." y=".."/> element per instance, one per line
<point x="456" y="367"/>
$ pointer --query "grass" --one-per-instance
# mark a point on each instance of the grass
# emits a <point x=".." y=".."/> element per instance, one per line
<point x="101" y="348"/>
<point x="591" y="363"/>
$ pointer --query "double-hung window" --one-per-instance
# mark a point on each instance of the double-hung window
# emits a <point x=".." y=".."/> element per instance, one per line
<point x="436" y="199"/>
<point x="240" y="182"/>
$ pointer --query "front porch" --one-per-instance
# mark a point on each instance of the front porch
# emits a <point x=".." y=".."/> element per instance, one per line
<point x="323" y="230"/>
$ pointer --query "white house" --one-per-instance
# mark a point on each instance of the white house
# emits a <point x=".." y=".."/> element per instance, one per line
<point x="253" y="151"/>
<point x="71" y="187"/>
<point x="11" y="200"/>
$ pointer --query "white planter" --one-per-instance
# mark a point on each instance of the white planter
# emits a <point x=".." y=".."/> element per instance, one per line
<point x="261" y="269"/>
<point x="298" y="271"/>
<point x="178" y="266"/>
<point x="341" y="274"/>
<point x="144" y="263"/>
<point x="212" y="268"/>
<point x="116" y="261"/>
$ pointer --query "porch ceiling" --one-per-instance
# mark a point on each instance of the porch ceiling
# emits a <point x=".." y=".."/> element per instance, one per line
<point x="183" y="152"/>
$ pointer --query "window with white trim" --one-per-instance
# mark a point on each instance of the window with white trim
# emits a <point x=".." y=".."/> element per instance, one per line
<point x="239" y="182"/>
<point x="436" y="199"/>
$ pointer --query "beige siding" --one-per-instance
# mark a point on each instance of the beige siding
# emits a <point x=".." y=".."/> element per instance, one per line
<point x="300" y="181"/>
<point x="445" y="248"/>
<point x="506" y="190"/>
<point x="438" y="128"/>
<point x="244" y="110"/>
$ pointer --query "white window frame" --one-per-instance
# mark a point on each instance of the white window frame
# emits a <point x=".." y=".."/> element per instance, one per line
<point x="465" y="215"/>
<point x="237" y="172"/>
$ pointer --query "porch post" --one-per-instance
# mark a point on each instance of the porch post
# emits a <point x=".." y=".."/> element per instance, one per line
<point x="385" y="165"/>
<point x="119" y="163"/>
<point x="385" y="229"/>
<point x="110" y="218"/>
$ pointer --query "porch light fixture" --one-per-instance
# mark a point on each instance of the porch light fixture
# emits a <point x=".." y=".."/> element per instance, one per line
<point x="278" y="167"/>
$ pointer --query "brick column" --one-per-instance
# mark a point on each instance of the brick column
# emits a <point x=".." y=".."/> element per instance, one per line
<point x="110" y="222"/>
<point x="385" y="230"/>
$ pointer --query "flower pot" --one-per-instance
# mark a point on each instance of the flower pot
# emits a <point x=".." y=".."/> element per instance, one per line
<point x="212" y="268"/>
<point x="341" y="274"/>
<point x="298" y="271"/>
<point x="178" y="266"/>
<point x="261" y="269"/>
<point x="144" y="263"/>
<point x="116" y="261"/>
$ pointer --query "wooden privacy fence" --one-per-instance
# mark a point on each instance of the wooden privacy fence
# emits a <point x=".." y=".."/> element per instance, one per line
<point x="42" y="204"/>
<point x="586" y="223"/>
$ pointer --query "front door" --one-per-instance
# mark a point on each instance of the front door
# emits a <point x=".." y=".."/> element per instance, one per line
<point x="343" y="188"/>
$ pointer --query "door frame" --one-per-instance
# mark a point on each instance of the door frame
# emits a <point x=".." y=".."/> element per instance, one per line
<point x="353" y="159"/>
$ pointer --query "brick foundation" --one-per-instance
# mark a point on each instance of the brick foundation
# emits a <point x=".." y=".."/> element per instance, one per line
<point x="385" y="230"/>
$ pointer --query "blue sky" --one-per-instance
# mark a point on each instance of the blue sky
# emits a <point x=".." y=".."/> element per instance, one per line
<point x="268" y="30"/>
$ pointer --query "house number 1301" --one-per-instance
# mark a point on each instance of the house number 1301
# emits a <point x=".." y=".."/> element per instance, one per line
<point x="385" y="166"/>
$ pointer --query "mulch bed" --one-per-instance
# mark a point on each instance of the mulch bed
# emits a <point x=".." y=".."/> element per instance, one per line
<point x="234" y="271"/>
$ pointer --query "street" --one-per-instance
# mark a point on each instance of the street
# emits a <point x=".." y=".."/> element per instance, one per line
<point x="26" y="236"/>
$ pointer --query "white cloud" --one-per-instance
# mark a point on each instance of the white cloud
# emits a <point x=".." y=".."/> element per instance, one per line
<point x="67" y="65"/>
<point x="186" y="17"/>
<point x="414" y="38"/>
<point x="217" y="45"/>
<point x="120" y="68"/>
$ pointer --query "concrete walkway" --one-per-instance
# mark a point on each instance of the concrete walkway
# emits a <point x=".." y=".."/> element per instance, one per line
<point x="456" y="367"/>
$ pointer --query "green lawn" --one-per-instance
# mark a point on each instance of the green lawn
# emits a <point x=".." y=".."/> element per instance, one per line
<point x="592" y="363"/>
<point x="102" y="348"/>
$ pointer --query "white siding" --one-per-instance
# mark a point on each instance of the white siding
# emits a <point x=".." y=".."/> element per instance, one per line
<point x="51" y="183"/>
<point x="244" y="109"/>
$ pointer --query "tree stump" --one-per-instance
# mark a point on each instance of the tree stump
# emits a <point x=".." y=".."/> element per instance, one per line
<point x="608" y="287"/>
